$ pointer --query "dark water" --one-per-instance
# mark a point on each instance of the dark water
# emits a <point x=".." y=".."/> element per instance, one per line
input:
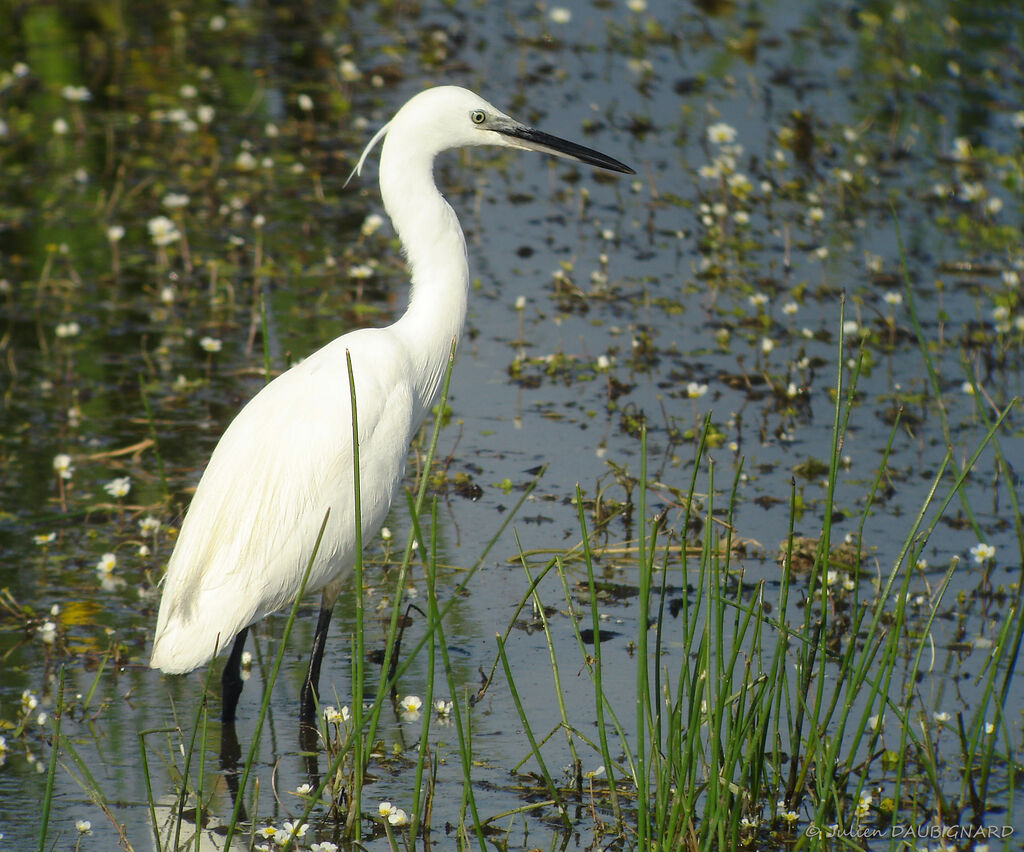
<point x="851" y="119"/>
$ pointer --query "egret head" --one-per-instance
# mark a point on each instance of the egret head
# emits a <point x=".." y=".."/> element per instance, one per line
<point x="452" y="117"/>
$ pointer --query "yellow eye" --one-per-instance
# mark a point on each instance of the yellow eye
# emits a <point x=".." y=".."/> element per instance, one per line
<point x="478" y="116"/>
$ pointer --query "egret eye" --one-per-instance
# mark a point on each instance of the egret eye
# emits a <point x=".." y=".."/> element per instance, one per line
<point x="478" y="116"/>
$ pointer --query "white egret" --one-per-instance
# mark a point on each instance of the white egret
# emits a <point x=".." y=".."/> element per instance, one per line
<point x="287" y="457"/>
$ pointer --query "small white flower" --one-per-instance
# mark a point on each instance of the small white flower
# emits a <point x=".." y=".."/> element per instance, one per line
<point x="333" y="716"/>
<point x="398" y="817"/>
<point x="349" y="71"/>
<point x="520" y="303"/>
<point x="76" y="94"/>
<point x="961" y="148"/>
<point x="940" y="717"/>
<point x="245" y="161"/>
<point x="371" y="224"/>
<point x="118" y="487"/>
<point x="893" y="298"/>
<point x="863" y="805"/>
<point x="162" y="231"/>
<point x="83" y="826"/>
<point x="29" y="702"/>
<point x="636" y="6"/>
<point x="442" y="707"/>
<point x="205" y="113"/>
<point x="324" y="846"/>
<point x="60" y="127"/>
<point x="304" y="789"/>
<point x="305" y="102"/>
<point x="721" y="133"/>
<point x="210" y="344"/>
<point x="384" y="809"/>
<point x="603" y="363"/>
<point x="149" y="525"/>
<point x="47" y="632"/>
<point x="44" y="539"/>
<point x="293" y="829"/>
<point x="175" y="200"/>
<point x="107" y="563"/>
<point x="982" y="553"/>
<point x="767" y="345"/>
<point x="850" y="327"/>
<point x="410" y="707"/>
<point x="67" y="329"/>
<point x="560" y="15"/>
<point x="62" y="465"/>
<point x="694" y="390"/>
<point x="188" y="91"/>
<point x="114" y="233"/>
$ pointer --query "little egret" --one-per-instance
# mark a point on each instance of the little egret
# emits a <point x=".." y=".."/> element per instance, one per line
<point x="287" y="457"/>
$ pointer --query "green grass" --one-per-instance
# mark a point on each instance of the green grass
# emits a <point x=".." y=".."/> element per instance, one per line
<point x="764" y="714"/>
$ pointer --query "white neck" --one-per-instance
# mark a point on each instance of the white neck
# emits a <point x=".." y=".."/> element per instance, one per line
<point x="436" y="252"/>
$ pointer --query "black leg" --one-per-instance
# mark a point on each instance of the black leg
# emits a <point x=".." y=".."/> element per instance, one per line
<point x="231" y="679"/>
<point x="230" y="757"/>
<point x="311" y="688"/>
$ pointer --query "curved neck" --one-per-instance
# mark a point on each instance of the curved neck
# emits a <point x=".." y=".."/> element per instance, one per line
<point x="436" y="252"/>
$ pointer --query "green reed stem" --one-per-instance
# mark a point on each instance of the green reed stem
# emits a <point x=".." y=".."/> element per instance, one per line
<point x="528" y="730"/>
<point x="51" y="769"/>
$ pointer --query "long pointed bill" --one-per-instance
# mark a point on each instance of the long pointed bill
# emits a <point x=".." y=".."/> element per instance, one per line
<point x="521" y="136"/>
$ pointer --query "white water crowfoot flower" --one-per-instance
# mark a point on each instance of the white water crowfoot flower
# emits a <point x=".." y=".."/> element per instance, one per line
<point x="290" y="830"/>
<point x="76" y="94"/>
<point x="29" y="701"/>
<point x="410" y="708"/>
<point x="118" y="487"/>
<point x="107" y="563"/>
<point x="721" y="133"/>
<point x="211" y="344"/>
<point x="324" y="846"/>
<point x="394" y="815"/>
<point x="333" y="716"/>
<point x="83" y="826"/>
<point x="443" y="708"/>
<point x="982" y="552"/>
<point x="62" y="465"/>
<point x="162" y="231"/>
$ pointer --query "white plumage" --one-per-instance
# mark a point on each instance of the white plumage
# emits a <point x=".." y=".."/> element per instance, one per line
<point x="287" y="457"/>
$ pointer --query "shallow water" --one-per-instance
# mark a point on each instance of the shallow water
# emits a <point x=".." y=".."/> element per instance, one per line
<point x="848" y="118"/>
